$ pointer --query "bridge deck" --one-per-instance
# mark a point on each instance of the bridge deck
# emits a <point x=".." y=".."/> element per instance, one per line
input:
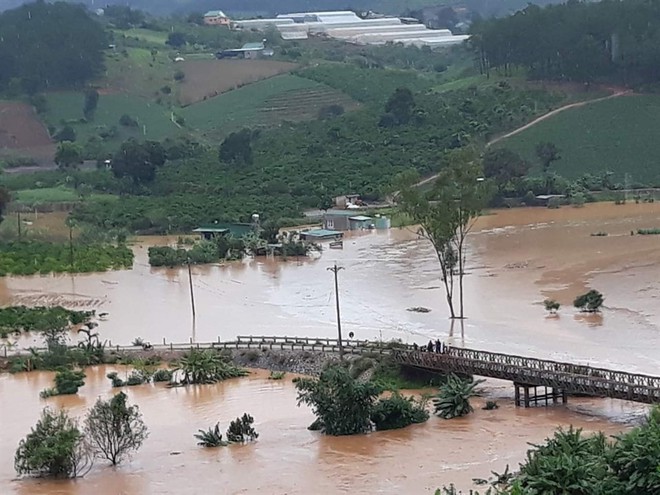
<point x="568" y="377"/>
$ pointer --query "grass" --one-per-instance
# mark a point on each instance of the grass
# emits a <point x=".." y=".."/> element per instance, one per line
<point x="618" y="135"/>
<point x="55" y="195"/>
<point x="136" y="72"/>
<point x="155" y="123"/>
<point x="263" y="103"/>
<point x="155" y="37"/>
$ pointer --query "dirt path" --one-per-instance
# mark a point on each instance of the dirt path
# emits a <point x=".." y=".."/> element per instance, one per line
<point x="552" y="114"/>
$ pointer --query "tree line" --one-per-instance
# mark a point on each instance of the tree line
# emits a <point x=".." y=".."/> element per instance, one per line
<point x="47" y="45"/>
<point x="589" y="42"/>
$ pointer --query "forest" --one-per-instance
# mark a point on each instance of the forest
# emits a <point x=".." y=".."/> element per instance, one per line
<point x="49" y="46"/>
<point x="607" y="42"/>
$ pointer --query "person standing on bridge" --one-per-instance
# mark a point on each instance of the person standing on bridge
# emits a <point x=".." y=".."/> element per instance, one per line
<point x="438" y="346"/>
<point x="429" y="347"/>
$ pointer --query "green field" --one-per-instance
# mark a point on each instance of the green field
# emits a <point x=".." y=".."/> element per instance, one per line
<point x="55" y="195"/>
<point x="154" y="120"/>
<point x="264" y="103"/>
<point x="617" y="135"/>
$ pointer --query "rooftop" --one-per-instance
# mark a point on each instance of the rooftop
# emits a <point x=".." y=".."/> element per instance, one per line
<point x="322" y="233"/>
<point x="215" y="13"/>
<point x="360" y="218"/>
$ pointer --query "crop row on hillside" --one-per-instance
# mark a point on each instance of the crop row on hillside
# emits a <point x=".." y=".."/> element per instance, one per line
<point x="617" y="135"/>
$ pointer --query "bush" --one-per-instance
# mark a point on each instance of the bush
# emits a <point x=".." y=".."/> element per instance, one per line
<point x="551" y="305"/>
<point x="54" y="447"/>
<point x="589" y="302"/>
<point x="116" y="381"/>
<point x="179" y="75"/>
<point x="453" y="400"/>
<point x="67" y="382"/>
<point x="398" y="411"/>
<point x="210" y="438"/>
<point x="162" y="375"/>
<point x="276" y="375"/>
<point x="241" y="431"/>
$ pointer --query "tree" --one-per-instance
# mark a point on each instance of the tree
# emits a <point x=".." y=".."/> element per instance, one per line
<point x="237" y="148"/>
<point x="138" y="161"/>
<point x="67" y="133"/>
<point x="589" y="302"/>
<point x="114" y="429"/>
<point x="5" y="198"/>
<point x="68" y="155"/>
<point x="551" y="306"/>
<point x="176" y="39"/>
<point x="453" y="400"/>
<point x="91" y="102"/>
<point x="67" y="382"/>
<point x="341" y="404"/>
<point x="446" y="215"/>
<point x="401" y="105"/>
<point x="547" y="153"/>
<point x="503" y="165"/>
<point x="54" y="447"/>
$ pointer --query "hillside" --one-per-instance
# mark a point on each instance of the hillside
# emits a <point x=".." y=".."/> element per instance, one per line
<point x="617" y="135"/>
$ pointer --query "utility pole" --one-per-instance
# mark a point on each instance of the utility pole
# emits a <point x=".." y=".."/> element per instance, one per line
<point x="335" y="269"/>
<point x="192" y="294"/>
<point x="18" y="223"/>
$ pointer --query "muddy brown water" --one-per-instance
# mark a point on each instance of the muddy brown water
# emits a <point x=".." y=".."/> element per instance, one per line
<point x="518" y="258"/>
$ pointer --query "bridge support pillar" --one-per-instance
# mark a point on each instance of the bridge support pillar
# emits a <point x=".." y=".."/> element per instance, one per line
<point x="533" y="395"/>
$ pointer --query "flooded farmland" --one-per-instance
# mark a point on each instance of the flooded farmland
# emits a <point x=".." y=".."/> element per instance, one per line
<point x="518" y="258"/>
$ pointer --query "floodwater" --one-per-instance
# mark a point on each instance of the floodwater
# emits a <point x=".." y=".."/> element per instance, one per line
<point x="286" y="458"/>
<point x="517" y="258"/>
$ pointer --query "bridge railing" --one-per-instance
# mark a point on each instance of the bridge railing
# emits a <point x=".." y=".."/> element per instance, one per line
<point x="555" y="366"/>
<point x="513" y="371"/>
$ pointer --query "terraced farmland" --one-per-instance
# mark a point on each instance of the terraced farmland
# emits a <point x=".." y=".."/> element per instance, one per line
<point x="263" y="104"/>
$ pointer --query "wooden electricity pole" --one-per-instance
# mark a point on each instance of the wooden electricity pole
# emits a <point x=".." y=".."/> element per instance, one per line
<point x="192" y="294"/>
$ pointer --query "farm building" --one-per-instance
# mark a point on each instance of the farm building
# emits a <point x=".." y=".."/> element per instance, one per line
<point x="321" y="235"/>
<point x="247" y="51"/>
<point x="347" y="26"/>
<point x="216" y="18"/>
<point x="217" y="229"/>
<point x="346" y="220"/>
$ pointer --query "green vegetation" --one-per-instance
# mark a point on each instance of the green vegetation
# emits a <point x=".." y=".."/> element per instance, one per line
<point x="53" y="448"/>
<point x="30" y="257"/>
<point x="551" y="306"/>
<point x="572" y="462"/>
<point x="49" y="46"/>
<point x="648" y="231"/>
<point x="453" y="399"/>
<point x="345" y="405"/>
<point x="67" y="382"/>
<point x="114" y="430"/>
<point x="615" y="127"/>
<point x="610" y="42"/>
<point x="15" y="319"/>
<point x="211" y="437"/>
<point x="262" y="104"/>
<point x="398" y="411"/>
<point x="277" y="375"/>
<point x="241" y="430"/>
<point x="206" y="366"/>
<point x="589" y="302"/>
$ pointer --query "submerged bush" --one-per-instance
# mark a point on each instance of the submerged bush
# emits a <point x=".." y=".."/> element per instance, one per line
<point x="67" y="382"/>
<point x="211" y="437"/>
<point x="240" y="430"/>
<point x="453" y="400"/>
<point x="398" y="411"/>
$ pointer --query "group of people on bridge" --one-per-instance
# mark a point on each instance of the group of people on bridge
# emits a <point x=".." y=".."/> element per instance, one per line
<point x="437" y="347"/>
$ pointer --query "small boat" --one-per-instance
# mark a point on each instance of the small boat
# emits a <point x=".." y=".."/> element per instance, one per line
<point x="337" y="245"/>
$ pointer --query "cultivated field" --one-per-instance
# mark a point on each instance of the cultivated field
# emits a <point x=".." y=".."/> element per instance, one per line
<point x="154" y="120"/>
<point x="22" y="133"/>
<point x="208" y="78"/>
<point x="619" y="135"/>
<point x="263" y="104"/>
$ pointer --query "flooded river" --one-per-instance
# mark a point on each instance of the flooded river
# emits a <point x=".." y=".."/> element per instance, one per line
<point x="517" y="258"/>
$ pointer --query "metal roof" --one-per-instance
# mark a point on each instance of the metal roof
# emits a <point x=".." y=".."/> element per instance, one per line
<point x="214" y="230"/>
<point x="322" y="233"/>
<point x="215" y="13"/>
<point x="360" y="218"/>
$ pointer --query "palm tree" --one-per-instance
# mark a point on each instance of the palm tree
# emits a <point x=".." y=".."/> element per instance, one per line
<point x="206" y="366"/>
<point x="453" y="400"/>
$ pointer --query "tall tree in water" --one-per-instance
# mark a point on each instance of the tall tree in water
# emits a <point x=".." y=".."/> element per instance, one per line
<point x="446" y="214"/>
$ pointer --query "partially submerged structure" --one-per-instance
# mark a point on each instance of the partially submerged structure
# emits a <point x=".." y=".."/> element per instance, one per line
<point x="321" y="235"/>
<point x="238" y="230"/>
